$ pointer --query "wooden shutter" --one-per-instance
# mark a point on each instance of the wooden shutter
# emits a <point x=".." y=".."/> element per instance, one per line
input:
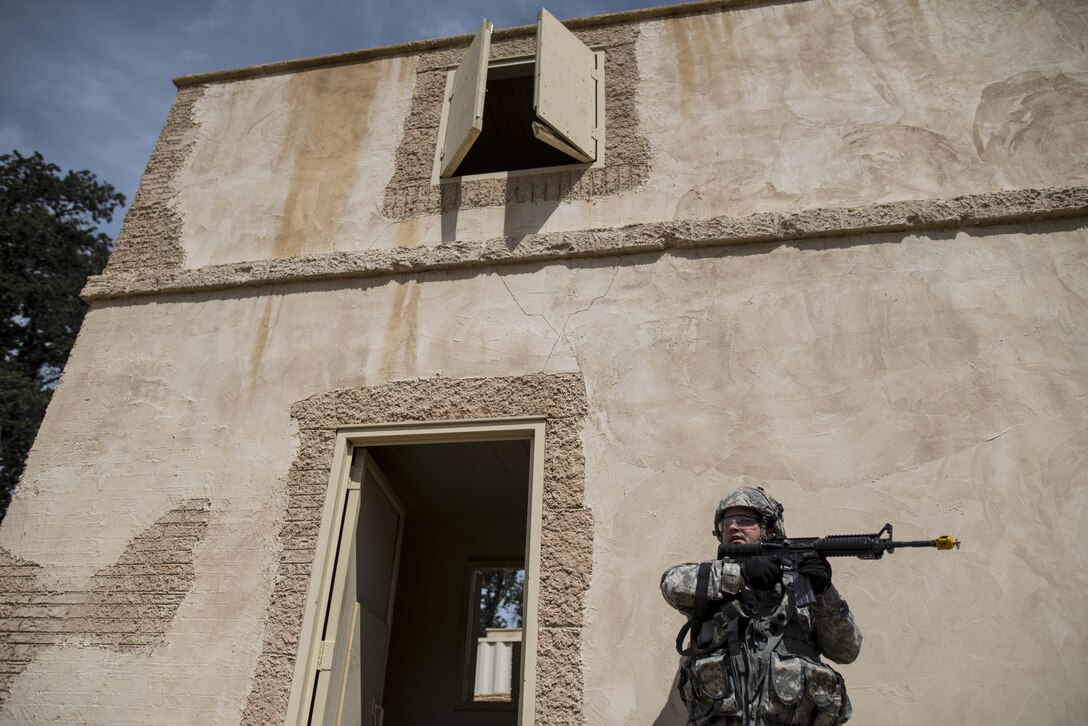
<point x="565" y="90"/>
<point x="465" y="119"/>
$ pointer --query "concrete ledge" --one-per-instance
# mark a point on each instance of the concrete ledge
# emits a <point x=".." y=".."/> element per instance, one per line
<point x="1009" y="207"/>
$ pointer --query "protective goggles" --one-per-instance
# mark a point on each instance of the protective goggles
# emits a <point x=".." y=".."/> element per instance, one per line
<point x="741" y="520"/>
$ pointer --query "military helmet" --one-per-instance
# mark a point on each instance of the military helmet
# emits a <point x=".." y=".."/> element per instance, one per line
<point x="753" y="498"/>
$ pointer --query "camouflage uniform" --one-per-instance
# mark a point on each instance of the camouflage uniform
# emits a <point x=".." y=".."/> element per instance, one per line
<point x="755" y="657"/>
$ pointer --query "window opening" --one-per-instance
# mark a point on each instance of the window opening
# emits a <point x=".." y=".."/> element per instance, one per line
<point x="506" y="141"/>
<point x="493" y="650"/>
<point x="519" y="114"/>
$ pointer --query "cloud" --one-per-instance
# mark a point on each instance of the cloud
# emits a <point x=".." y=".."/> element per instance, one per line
<point x="12" y="137"/>
<point x="222" y="14"/>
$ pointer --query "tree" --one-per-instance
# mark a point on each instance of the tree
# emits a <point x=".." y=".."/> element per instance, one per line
<point x="500" y="598"/>
<point x="49" y="245"/>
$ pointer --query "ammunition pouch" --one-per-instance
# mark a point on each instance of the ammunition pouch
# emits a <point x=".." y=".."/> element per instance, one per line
<point x="802" y="692"/>
<point x="706" y="689"/>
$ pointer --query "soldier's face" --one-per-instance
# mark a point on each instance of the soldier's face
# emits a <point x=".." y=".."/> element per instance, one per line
<point x="740" y="525"/>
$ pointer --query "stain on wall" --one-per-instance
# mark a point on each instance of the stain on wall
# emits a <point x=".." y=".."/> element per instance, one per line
<point x="126" y="607"/>
<point x="566" y="537"/>
<point x="328" y="117"/>
<point x="269" y="315"/>
<point x="401" y="332"/>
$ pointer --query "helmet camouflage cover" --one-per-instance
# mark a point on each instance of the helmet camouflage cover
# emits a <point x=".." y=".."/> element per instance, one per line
<point x="754" y="498"/>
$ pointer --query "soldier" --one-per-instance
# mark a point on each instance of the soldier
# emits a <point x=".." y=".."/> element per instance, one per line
<point x="754" y="657"/>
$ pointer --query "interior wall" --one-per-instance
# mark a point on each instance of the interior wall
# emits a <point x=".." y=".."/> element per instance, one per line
<point x="431" y="617"/>
<point x="466" y="503"/>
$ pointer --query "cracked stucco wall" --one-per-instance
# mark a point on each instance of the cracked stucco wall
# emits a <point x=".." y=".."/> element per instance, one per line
<point x="125" y="607"/>
<point x="938" y="382"/>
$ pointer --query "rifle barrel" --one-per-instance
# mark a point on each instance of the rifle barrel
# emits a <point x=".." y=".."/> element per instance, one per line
<point x="851" y="545"/>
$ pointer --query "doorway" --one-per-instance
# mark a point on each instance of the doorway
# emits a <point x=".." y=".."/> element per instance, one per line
<point x="429" y="610"/>
<point x="458" y="614"/>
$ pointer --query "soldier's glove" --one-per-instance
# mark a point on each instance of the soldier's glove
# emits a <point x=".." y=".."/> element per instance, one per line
<point x="818" y="571"/>
<point x="761" y="573"/>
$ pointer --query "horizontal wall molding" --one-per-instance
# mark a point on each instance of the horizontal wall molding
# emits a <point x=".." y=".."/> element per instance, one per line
<point x="1007" y="207"/>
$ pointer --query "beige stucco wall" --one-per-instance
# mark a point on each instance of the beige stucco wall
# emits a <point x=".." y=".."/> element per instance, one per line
<point x="933" y="377"/>
<point x="832" y="103"/>
<point x="770" y="108"/>
<point x="293" y="164"/>
<point x="938" y="384"/>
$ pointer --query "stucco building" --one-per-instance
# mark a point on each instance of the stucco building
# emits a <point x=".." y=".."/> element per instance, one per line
<point x="350" y="354"/>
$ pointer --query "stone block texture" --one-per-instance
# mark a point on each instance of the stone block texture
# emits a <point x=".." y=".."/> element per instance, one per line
<point x="566" y="539"/>
<point x="125" y="607"/>
<point x="150" y="237"/>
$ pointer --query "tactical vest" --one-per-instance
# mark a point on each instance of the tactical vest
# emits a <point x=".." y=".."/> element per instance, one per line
<point x="752" y="661"/>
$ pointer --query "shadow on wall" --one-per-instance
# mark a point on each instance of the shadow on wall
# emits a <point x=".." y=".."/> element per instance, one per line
<point x="450" y="204"/>
<point x="673" y="713"/>
<point x="522" y="217"/>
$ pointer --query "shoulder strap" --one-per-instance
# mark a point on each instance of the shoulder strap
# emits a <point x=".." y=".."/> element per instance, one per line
<point x="702" y="583"/>
<point x="684" y="630"/>
<point x="695" y="624"/>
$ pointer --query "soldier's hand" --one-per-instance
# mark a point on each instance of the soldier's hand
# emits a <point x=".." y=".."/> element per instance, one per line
<point x="818" y="571"/>
<point x="761" y="573"/>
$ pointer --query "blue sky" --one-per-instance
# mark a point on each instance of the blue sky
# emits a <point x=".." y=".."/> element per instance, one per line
<point x="87" y="82"/>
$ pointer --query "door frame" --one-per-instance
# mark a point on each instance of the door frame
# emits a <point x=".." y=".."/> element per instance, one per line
<point x="349" y="438"/>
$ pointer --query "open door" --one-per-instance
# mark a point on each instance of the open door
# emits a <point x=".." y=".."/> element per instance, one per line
<point x="464" y="496"/>
<point x="355" y="648"/>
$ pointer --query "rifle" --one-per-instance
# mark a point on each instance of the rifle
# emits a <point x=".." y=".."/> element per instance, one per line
<point x="790" y="551"/>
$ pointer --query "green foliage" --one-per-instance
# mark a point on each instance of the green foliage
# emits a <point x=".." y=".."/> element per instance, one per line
<point x="49" y="245"/>
<point x="500" y="598"/>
